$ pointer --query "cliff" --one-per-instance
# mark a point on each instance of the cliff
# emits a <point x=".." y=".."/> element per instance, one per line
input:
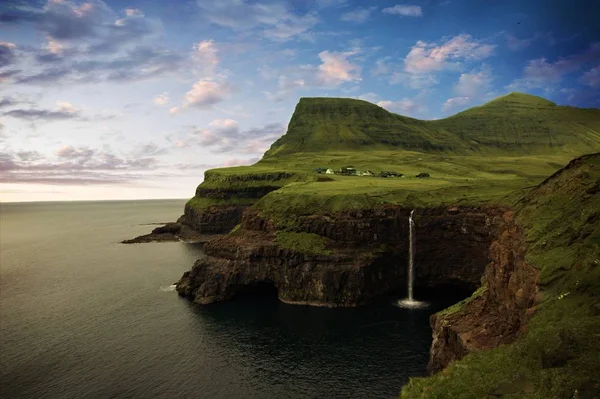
<point x="531" y="330"/>
<point x="344" y="258"/>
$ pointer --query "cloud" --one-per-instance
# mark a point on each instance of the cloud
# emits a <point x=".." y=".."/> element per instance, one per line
<point x="205" y="54"/>
<point x="592" y="78"/>
<point x="10" y="101"/>
<point x="336" y="69"/>
<point x="90" y="43"/>
<point x="29" y="156"/>
<point x="7" y="53"/>
<point x="405" y="106"/>
<point x="273" y="20"/>
<point x="434" y="57"/>
<point x="455" y="102"/>
<point x="225" y="127"/>
<point x="63" y="111"/>
<point x="240" y="162"/>
<point x="414" y="81"/>
<point x="70" y="152"/>
<point x="161" y="99"/>
<point x="475" y="83"/>
<point x="291" y="27"/>
<point x="515" y="44"/>
<point x="285" y="86"/>
<point x="72" y="165"/>
<point x="359" y="16"/>
<point x="404" y="10"/>
<point x="541" y="73"/>
<point x="413" y="107"/>
<point x="204" y="94"/>
<point x="381" y="66"/>
<point x="150" y="149"/>
<point x="225" y="135"/>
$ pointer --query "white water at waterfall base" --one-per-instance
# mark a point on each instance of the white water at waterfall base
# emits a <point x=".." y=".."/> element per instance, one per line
<point x="410" y="301"/>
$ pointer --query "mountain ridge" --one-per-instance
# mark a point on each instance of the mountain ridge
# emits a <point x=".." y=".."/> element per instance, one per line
<point x="515" y="122"/>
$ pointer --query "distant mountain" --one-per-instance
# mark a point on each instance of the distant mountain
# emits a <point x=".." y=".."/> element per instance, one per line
<point x="514" y="124"/>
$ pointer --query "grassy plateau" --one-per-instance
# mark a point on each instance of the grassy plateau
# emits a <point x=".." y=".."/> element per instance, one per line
<point x="485" y="154"/>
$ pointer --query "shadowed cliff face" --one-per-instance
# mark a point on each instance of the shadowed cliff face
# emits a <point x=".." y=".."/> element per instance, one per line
<point x="500" y="310"/>
<point x="214" y="219"/>
<point x="367" y="256"/>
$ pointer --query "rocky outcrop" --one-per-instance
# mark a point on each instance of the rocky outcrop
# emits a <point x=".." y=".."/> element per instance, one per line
<point x="218" y="219"/>
<point x="220" y="201"/>
<point x="501" y="310"/>
<point x="369" y="256"/>
<point x="235" y="265"/>
<point x="171" y="232"/>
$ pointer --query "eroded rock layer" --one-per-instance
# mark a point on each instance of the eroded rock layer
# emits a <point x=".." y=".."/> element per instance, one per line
<point x="366" y="256"/>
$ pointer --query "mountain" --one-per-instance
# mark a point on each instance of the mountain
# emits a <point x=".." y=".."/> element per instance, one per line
<point x="514" y="124"/>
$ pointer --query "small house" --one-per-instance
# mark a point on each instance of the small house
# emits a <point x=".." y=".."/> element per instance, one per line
<point x="329" y="172"/>
<point x="348" y="170"/>
<point x="368" y="173"/>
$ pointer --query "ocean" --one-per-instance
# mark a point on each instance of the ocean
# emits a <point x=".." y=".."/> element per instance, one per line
<point x="82" y="316"/>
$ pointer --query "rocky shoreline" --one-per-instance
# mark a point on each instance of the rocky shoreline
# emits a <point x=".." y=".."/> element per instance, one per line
<point x="172" y="232"/>
<point x="366" y="259"/>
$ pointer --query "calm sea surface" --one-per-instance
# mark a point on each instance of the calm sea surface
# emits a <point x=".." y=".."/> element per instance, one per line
<point x="82" y="316"/>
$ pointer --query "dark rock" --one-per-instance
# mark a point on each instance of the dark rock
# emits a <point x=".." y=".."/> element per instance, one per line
<point x="499" y="315"/>
<point x="171" y="232"/>
<point x="369" y="256"/>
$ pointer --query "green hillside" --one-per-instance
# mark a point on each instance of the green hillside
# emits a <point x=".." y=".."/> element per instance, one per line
<point x="513" y="124"/>
<point x="487" y="153"/>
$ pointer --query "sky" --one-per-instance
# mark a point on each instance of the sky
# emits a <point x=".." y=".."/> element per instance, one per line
<point x="136" y="99"/>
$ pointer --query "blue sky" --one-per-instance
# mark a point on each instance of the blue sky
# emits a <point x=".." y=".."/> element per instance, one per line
<point x="136" y="99"/>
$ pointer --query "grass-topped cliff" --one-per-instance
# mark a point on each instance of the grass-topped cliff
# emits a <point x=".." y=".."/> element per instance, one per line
<point x="558" y="356"/>
<point x="483" y="154"/>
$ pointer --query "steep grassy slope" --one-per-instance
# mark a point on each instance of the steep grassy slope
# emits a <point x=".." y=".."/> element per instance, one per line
<point x="522" y="124"/>
<point x="516" y="123"/>
<point x="559" y="356"/>
<point x="482" y="154"/>
<point x="321" y="124"/>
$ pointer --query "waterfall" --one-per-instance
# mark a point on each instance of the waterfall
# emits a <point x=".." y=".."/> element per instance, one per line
<point x="411" y="254"/>
<point x="410" y="301"/>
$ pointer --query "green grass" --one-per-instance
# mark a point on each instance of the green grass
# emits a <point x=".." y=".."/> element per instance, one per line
<point x="515" y="124"/>
<point x="560" y="354"/>
<point x="306" y="243"/>
<point x="203" y="202"/>
<point x="485" y="154"/>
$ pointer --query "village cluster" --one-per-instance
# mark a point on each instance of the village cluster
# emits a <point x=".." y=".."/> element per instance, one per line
<point x="351" y="171"/>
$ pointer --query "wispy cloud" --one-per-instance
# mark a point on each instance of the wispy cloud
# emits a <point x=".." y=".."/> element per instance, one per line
<point x="434" y="57"/>
<point x="272" y="20"/>
<point x="542" y="73"/>
<point x="404" y="10"/>
<point x="359" y="15"/>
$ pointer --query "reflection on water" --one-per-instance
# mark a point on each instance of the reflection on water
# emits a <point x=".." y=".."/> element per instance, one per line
<point x="81" y="315"/>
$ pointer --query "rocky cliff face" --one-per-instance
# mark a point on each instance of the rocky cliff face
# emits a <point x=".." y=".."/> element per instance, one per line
<point x="368" y="257"/>
<point x="500" y="311"/>
<point x="217" y="219"/>
<point x="220" y="200"/>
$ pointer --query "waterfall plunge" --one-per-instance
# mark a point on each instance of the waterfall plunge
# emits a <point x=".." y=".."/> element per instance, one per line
<point x="411" y="254"/>
<point x="410" y="302"/>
